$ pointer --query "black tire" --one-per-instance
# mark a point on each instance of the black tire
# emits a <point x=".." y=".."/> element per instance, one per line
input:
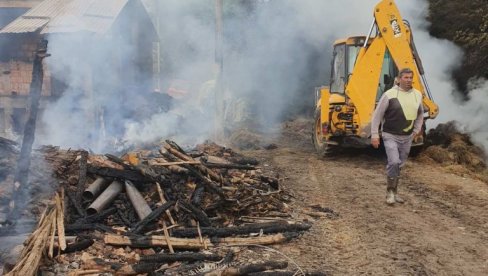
<point x="320" y="146"/>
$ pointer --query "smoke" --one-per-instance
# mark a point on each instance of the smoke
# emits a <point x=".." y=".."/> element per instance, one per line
<point x="440" y="58"/>
<point x="275" y="53"/>
<point x="474" y="112"/>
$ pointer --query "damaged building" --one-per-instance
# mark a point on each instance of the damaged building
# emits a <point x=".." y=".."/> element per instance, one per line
<point x="98" y="49"/>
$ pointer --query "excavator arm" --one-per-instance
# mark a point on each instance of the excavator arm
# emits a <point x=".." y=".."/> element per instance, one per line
<point x="393" y="36"/>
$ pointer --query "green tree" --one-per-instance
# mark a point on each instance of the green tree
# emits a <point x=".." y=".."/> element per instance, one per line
<point x="466" y="24"/>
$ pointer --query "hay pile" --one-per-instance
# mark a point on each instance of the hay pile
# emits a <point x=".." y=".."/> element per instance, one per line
<point x="447" y="146"/>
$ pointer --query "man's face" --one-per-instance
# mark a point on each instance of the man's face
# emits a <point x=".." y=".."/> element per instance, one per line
<point x="406" y="81"/>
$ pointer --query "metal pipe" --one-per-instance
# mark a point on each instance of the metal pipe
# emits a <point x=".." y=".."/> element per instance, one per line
<point x="369" y="34"/>
<point x="95" y="188"/>
<point x="105" y="198"/>
<point x="140" y="205"/>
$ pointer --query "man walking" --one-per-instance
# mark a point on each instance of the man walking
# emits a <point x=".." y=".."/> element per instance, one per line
<point x="400" y="112"/>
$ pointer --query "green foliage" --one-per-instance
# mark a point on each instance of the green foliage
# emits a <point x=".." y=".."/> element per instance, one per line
<point x="466" y="24"/>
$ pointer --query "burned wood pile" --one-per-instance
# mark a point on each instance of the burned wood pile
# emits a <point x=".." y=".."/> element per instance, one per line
<point x="162" y="212"/>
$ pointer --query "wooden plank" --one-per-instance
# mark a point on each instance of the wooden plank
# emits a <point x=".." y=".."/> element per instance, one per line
<point x="60" y="220"/>
<point x="180" y="243"/>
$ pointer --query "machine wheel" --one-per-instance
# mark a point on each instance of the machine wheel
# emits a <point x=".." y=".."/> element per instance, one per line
<point x="320" y="146"/>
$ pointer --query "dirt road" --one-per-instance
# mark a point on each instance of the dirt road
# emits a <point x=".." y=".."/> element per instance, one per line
<point x="442" y="229"/>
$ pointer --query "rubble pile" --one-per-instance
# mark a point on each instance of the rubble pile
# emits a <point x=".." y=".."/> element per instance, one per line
<point x="164" y="212"/>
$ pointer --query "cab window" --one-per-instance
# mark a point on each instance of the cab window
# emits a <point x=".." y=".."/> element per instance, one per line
<point x="338" y="74"/>
<point x="387" y="75"/>
<point x="352" y="54"/>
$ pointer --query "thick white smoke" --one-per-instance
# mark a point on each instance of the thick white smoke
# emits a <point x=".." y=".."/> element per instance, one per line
<point x="275" y="53"/>
<point x="440" y="58"/>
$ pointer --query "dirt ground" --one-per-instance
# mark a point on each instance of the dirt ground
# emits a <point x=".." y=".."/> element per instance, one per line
<point x="442" y="229"/>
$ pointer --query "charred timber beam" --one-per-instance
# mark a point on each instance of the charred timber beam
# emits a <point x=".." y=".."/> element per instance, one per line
<point x="123" y="217"/>
<point x="77" y="206"/>
<point x="229" y="166"/>
<point x="209" y="184"/>
<point x="82" y="177"/>
<point x="138" y="202"/>
<point x="180" y="257"/>
<point x="96" y="188"/>
<point x="102" y="201"/>
<point x="265" y="228"/>
<point x="197" y="195"/>
<point x="98" y="216"/>
<point x="76" y="246"/>
<point x="22" y="171"/>
<point x="75" y="228"/>
<point x="137" y="269"/>
<point x="121" y="174"/>
<point x="152" y="216"/>
<point x="198" y="214"/>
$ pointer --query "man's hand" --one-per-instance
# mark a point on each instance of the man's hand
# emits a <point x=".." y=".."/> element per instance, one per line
<point x="375" y="142"/>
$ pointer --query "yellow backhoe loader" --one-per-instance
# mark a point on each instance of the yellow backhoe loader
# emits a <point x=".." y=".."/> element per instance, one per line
<point x="363" y="68"/>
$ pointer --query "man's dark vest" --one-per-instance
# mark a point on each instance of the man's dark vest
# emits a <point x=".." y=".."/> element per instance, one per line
<point x="402" y="111"/>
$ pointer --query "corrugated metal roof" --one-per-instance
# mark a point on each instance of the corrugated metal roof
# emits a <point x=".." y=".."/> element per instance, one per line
<point x="53" y="16"/>
<point x="25" y="26"/>
<point x="47" y="8"/>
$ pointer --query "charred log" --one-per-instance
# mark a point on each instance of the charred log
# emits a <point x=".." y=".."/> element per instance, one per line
<point x="197" y="213"/>
<point x="229" y="166"/>
<point x="197" y="195"/>
<point x="97" y="217"/>
<point x="76" y="246"/>
<point x="82" y="177"/>
<point x="180" y="257"/>
<point x="121" y="174"/>
<point x="75" y="228"/>
<point x="22" y="171"/>
<point x="76" y="205"/>
<point x="137" y="269"/>
<point x="152" y="216"/>
<point x="265" y="228"/>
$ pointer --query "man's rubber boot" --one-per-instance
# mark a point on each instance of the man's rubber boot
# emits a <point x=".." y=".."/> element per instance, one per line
<point x="395" y="192"/>
<point x="390" y="188"/>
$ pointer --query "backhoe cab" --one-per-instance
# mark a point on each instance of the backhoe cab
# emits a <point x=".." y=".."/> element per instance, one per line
<point x="363" y="68"/>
